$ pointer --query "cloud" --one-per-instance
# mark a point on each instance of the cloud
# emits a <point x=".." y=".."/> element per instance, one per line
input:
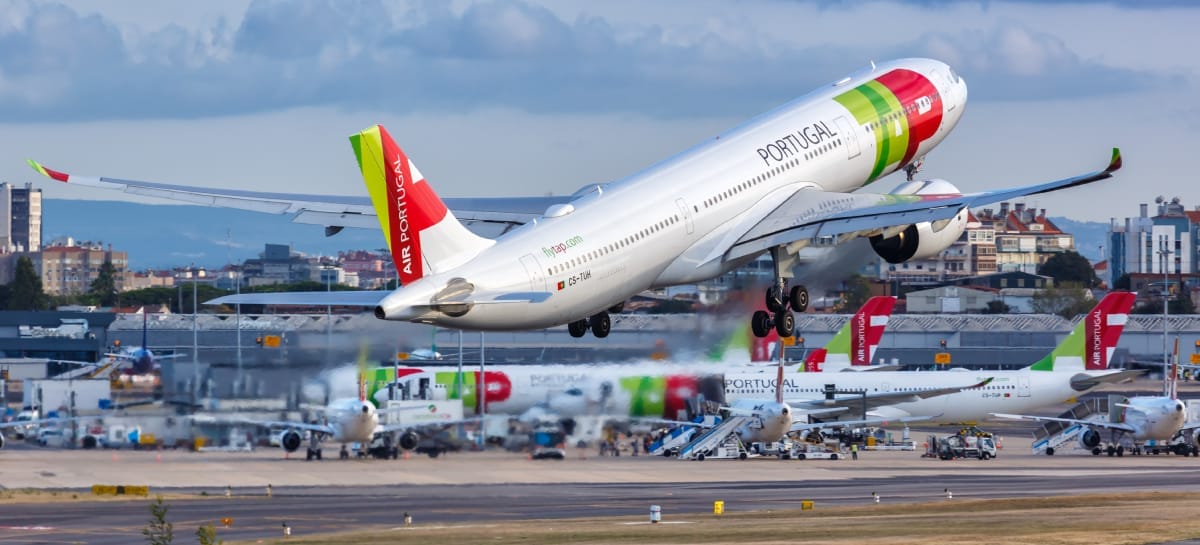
<point x="58" y="65"/>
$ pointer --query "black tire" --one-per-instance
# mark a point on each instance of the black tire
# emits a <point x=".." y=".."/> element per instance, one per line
<point x="833" y="456"/>
<point x="1154" y="452"/>
<point x="578" y="328"/>
<point x="1050" y="451"/>
<point x="742" y="456"/>
<point x="760" y="323"/>
<point x="774" y="299"/>
<point x="700" y="457"/>
<point x="802" y="456"/>
<point x="1096" y="451"/>
<point x="600" y="324"/>
<point x="798" y="298"/>
<point x="1111" y="451"/>
<point x="785" y="324"/>
<point x="985" y="456"/>
<point x="1121" y="450"/>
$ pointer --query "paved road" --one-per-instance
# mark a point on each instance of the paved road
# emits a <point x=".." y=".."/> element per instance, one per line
<point x="512" y="488"/>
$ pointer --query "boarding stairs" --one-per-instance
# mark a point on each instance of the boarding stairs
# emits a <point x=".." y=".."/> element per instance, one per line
<point x="1053" y="435"/>
<point x="713" y="437"/>
<point x="675" y="439"/>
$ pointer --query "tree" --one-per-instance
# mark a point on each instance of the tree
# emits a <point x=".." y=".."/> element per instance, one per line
<point x="104" y="287"/>
<point x="25" y="291"/>
<point x="996" y="307"/>
<point x="858" y="290"/>
<point x="1069" y="267"/>
<point x="1066" y="301"/>
<point x="159" y="531"/>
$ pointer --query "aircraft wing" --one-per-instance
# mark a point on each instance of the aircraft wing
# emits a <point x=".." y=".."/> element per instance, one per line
<point x="807" y="426"/>
<point x="811" y="214"/>
<point x="315" y="428"/>
<point x="873" y="401"/>
<point x="369" y="298"/>
<point x="331" y="211"/>
<point x="1092" y="423"/>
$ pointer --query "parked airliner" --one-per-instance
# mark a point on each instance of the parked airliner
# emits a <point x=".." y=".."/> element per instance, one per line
<point x="773" y="184"/>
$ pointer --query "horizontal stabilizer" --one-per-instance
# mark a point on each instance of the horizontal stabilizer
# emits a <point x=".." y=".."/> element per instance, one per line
<point x="304" y="298"/>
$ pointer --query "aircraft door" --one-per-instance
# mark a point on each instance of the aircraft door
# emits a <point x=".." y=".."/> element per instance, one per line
<point x="1023" y="389"/>
<point x="537" y="280"/>
<point x="423" y="389"/>
<point x="851" y="136"/>
<point x="687" y="215"/>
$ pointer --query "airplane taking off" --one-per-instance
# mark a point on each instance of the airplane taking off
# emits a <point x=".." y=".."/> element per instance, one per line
<point x="773" y="184"/>
<point x="1140" y="418"/>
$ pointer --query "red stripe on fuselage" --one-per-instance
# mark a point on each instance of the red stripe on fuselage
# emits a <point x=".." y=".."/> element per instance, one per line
<point x="412" y="208"/>
<point x="909" y="86"/>
<point x="680" y="389"/>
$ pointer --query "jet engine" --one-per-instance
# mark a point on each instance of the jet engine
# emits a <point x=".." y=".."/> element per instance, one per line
<point x="290" y="440"/>
<point x="1" y="440"/>
<point x="1195" y="439"/>
<point x="1089" y="439"/>
<point x="924" y="239"/>
<point x="409" y="440"/>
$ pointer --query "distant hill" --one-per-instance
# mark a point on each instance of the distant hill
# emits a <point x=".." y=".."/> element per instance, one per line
<point x="165" y="236"/>
<point x="1089" y="236"/>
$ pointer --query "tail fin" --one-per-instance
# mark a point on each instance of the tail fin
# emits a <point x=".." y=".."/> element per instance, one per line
<point x="422" y="234"/>
<point x="145" y="329"/>
<point x="1172" y="374"/>
<point x="779" y="383"/>
<point x="1091" y="344"/>
<point x="855" y="343"/>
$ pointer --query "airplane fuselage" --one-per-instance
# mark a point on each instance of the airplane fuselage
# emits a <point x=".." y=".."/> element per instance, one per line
<point x="673" y="222"/>
<point x="1154" y="418"/>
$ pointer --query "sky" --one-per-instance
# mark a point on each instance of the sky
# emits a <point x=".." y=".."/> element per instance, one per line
<point x="514" y="97"/>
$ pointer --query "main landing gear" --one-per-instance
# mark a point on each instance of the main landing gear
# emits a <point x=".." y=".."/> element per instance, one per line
<point x="600" y="324"/>
<point x="781" y="302"/>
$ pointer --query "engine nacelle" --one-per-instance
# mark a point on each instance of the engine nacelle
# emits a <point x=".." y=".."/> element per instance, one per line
<point x="924" y="239"/>
<point x="1" y="440"/>
<point x="409" y="440"/>
<point x="1195" y="438"/>
<point x="1089" y="439"/>
<point x="290" y="440"/>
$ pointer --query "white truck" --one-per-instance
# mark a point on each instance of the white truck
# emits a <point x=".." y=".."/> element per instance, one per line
<point x="967" y="446"/>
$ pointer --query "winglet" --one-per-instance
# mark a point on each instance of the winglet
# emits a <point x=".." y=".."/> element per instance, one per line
<point x="52" y="174"/>
<point x="1115" y="163"/>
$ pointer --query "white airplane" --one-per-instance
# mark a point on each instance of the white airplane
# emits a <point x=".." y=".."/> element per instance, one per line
<point x="773" y="184"/>
<point x="350" y="421"/>
<point x="1139" y="418"/>
<point x="659" y="390"/>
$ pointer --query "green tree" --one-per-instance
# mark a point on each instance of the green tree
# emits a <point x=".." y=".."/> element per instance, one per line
<point x="1069" y="267"/>
<point x="104" y="287"/>
<point x="1067" y="301"/>
<point x="858" y="290"/>
<point x="159" y="531"/>
<point x="25" y="291"/>
<point x="996" y="307"/>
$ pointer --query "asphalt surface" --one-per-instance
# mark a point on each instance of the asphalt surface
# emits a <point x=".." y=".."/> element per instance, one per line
<point x="358" y="495"/>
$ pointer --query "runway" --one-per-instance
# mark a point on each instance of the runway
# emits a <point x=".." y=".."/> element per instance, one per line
<point x="331" y="496"/>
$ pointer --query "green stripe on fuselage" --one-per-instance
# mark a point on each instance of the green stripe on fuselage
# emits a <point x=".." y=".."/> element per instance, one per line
<point x="646" y="395"/>
<point x="872" y="103"/>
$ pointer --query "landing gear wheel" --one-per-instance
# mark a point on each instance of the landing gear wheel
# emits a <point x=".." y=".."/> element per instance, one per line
<point x="833" y="456"/>
<point x="1121" y="450"/>
<point x="700" y="457"/>
<point x="798" y="298"/>
<point x="600" y="324"/>
<point x="1050" y="451"/>
<point x="577" y="328"/>
<point x="760" y="323"/>
<point x="1096" y="451"/>
<point x="1110" y="451"/>
<point x="742" y="456"/>
<point x="785" y="324"/>
<point x="774" y="299"/>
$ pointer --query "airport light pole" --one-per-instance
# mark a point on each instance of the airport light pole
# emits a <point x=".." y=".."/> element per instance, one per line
<point x="1164" y="251"/>
<point x="482" y="394"/>
<point x="195" y="342"/>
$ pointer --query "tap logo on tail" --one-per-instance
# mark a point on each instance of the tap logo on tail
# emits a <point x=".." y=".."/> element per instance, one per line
<point x="1103" y="327"/>
<point x="856" y="342"/>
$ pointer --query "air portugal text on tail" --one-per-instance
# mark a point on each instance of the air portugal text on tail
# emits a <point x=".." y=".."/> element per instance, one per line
<point x="771" y="185"/>
<point x="422" y="234"/>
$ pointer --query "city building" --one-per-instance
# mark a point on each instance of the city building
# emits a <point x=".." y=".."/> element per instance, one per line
<point x="23" y="207"/>
<point x="69" y="268"/>
<point x="1136" y="245"/>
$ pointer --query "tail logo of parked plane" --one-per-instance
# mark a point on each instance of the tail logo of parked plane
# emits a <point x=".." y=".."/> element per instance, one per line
<point x="1091" y="344"/>
<point x="879" y="103"/>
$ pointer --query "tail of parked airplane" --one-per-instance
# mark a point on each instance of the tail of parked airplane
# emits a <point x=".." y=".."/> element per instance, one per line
<point x="1172" y="374"/>
<point x="1091" y="344"/>
<point x="855" y="343"/>
<point x="422" y="234"/>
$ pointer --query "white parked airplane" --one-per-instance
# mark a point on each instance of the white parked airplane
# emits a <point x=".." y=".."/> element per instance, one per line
<point x="1078" y="365"/>
<point x="772" y="184"/>
<point x="1139" y="418"/>
<point x="349" y="421"/>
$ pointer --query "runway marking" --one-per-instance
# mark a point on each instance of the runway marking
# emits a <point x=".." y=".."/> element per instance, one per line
<point x="647" y="523"/>
<point x="37" y="528"/>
